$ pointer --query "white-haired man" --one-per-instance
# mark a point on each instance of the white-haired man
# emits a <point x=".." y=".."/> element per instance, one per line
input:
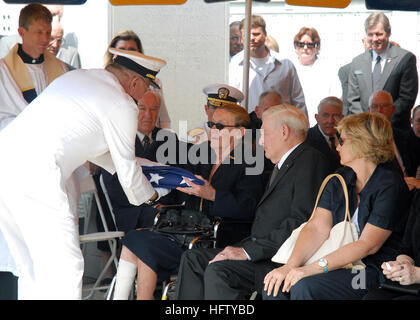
<point x="230" y="273"/>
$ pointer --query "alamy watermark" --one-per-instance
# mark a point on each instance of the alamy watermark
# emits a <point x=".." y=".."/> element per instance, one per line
<point x="359" y="280"/>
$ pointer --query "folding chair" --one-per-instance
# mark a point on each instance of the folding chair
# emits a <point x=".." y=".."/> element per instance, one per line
<point x="87" y="185"/>
<point x="111" y="210"/>
<point x="207" y="240"/>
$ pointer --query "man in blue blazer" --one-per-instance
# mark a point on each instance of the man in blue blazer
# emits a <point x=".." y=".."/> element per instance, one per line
<point x="384" y="67"/>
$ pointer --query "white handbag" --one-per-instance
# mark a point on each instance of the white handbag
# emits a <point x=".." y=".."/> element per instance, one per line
<point x="341" y="234"/>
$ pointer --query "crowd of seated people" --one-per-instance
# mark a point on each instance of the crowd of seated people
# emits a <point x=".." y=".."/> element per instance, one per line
<point x="228" y="194"/>
<point x="219" y="273"/>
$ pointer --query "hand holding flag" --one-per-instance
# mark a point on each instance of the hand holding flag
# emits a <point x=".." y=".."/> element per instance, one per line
<point x="162" y="176"/>
<point x="204" y="190"/>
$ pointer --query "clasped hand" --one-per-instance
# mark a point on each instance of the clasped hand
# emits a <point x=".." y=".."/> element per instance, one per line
<point x="205" y="191"/>
<point x="230" y="253"/>
<point x="402" y="272"/>
<point x="287" y="275"/>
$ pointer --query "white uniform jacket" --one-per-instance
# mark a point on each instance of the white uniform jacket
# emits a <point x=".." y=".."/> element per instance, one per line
<point x="84" y="115"/>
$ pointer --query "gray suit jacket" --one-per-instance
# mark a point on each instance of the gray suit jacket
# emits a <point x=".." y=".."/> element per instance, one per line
<point x="70" y="56"/>
<point x="399" y="78"/>
<point x="343" y="75"/>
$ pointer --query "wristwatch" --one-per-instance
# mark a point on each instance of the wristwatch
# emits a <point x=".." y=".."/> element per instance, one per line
<point x="323" y="263"/>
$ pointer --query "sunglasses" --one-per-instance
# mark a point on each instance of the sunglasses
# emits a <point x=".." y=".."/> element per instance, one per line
<point x="340" y="140"/>
<point x="309" y="45"/>
<point x="218" y="126"/>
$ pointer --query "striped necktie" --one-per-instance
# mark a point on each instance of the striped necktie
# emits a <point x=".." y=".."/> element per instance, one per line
<point x="146" y="142"/>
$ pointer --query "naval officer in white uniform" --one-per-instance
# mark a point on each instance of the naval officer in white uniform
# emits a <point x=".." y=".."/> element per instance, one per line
<point x="85" y="115"/>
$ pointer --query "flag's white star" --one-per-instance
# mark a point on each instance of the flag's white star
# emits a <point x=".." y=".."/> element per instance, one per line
<point x="184" y="182"/>
<point x="155" y="177"/>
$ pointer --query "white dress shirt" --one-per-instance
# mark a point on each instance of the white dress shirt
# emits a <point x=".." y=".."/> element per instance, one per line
<point x="277" y="74"/>
<point x="384" y="56"/>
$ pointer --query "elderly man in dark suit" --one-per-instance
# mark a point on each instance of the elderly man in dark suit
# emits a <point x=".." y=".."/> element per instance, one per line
<point x="288" y="201"/>
<point x="322" y="136"/>
<point x="384" y="67"/>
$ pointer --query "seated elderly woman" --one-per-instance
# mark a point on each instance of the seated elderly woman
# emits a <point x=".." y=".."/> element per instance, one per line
<point x="377" y="197"/>
<point x="228" y="193"/>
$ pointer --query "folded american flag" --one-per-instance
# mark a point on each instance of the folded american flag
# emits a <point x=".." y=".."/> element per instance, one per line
<point x="169" y="177"/>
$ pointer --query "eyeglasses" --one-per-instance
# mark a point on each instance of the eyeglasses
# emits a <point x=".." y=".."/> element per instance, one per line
<point x="309" y="45"/>
<point x="326" y="115"/>
<point x="234" y="38"/>
<point x="219" y="126"/>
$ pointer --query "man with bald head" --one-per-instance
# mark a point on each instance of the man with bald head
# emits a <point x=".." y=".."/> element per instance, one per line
<point x="267" y="100"/>
<point x="57" y="47"/>
<point x="381" y="101"/>
<point x="406" y="142"/>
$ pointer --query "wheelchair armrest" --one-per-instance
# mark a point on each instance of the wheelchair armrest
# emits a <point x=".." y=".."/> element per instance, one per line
<point x="202" y="239"/>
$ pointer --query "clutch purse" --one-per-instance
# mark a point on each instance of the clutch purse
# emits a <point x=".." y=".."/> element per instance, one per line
<point x="341" y="234"/>
<point x="413" y="289"/>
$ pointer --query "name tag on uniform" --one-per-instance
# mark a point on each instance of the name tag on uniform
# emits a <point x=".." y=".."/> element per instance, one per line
<point x="358" y="72"/>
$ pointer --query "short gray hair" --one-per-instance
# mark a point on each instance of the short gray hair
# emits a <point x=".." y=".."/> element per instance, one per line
<point x="375" y="18"/>
<point x="290" y="115"/>
<point x="331" y="101"/>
